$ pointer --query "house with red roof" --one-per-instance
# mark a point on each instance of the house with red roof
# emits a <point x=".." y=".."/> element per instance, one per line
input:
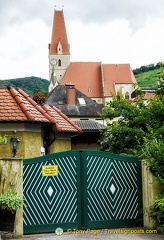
<point x="94" y="79"/>
<point x="38" y="127"/>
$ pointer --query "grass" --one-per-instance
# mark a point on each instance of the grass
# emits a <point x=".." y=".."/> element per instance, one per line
<point x="148" y="79"/>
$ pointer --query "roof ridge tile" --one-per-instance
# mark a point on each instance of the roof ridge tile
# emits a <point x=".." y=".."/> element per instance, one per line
<point x="66" y="118"/>
<point x="45" y="114"/>
<point x="37" y="106"/>
<point x="45" y="107"/>
<point x="27" y="97"/>
<point x="19" y="101"/>
<point x="49" y="112"/>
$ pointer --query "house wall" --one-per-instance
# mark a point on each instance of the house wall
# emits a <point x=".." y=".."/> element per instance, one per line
<point x="85" y="146"/>
<point x="98" y="100"/>
<point x="108" y="99"/>
<point x="98" y="119"/>
<point x="30" y="137"/>
<point x="31" y="141"/>
<point x="75" y="118"/>
<point x="60" y="145"/>
<point x="123" y="88"/>
<point x="30" y="145"/>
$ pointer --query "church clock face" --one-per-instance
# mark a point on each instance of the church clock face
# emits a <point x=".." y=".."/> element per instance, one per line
<point x="53" y="61"/>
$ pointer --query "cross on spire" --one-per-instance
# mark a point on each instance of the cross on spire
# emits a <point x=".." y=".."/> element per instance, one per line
<point x="59" y="7"/>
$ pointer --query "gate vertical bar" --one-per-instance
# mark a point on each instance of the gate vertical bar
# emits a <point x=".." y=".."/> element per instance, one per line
<point x="82" y="188"/>
<point x="85" y="195"/>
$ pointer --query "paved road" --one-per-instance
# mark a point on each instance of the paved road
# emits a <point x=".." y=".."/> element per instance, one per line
<point x="115" y="234"/>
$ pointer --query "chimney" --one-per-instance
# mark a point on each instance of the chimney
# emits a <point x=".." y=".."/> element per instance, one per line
<point x="70" y="94"/>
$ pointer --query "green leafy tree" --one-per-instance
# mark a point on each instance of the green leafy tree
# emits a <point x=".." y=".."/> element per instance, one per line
<point x="30" y="85"/>
<point x="153" y="151"/>
<point x="130" y="123"/>
<point x="139" y="130"/>
<point x="156" y="211"/>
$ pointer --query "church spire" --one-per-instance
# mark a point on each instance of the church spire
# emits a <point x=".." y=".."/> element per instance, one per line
<point x="59" y="34"/>
<point x="59" y="54"/>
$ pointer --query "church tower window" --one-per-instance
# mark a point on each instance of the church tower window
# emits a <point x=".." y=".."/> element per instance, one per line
<point x="59" y="63"/>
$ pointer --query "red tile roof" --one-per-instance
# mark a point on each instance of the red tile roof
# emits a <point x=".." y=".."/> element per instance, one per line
<point x="148" y="95"/>
<point x="59" y="34"/>
<point x="116" y="74"/>
<point x="86" y="76"/>
<point x="17" y="106"/>
<point x="89" y="77"/>
<point x="63" y="122"/>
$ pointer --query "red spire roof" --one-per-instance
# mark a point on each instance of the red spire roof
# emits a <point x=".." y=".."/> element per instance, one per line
<point x="59" y="34"/>
<point x="17" y="106"/>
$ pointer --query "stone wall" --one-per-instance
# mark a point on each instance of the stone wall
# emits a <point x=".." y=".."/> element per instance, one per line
<point x="150" y="189"/>
<point x="11" y="178"/>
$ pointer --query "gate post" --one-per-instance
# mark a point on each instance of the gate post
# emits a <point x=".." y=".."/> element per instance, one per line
<point x="11" y="178"/>
<point x="150" y="189"/>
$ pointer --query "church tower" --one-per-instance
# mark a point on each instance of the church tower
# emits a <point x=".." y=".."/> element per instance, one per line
<point x="59" y="54"/>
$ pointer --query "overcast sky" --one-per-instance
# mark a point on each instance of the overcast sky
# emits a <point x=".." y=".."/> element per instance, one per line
<point x="107" y="31"/>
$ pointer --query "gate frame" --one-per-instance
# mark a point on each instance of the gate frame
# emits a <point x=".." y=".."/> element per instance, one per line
<point x="83" y="219"/>
<point x="105" y="224"/>
<point x="33" y="228"/>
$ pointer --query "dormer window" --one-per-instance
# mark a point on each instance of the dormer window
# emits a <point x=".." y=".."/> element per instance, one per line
<point x="82" y="101"/>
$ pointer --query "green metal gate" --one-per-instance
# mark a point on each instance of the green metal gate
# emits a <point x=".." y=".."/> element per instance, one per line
<point x="91" y="189"/>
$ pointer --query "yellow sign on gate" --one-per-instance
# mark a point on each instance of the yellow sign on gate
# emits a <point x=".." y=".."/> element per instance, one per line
<point x="50" y="170"/>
